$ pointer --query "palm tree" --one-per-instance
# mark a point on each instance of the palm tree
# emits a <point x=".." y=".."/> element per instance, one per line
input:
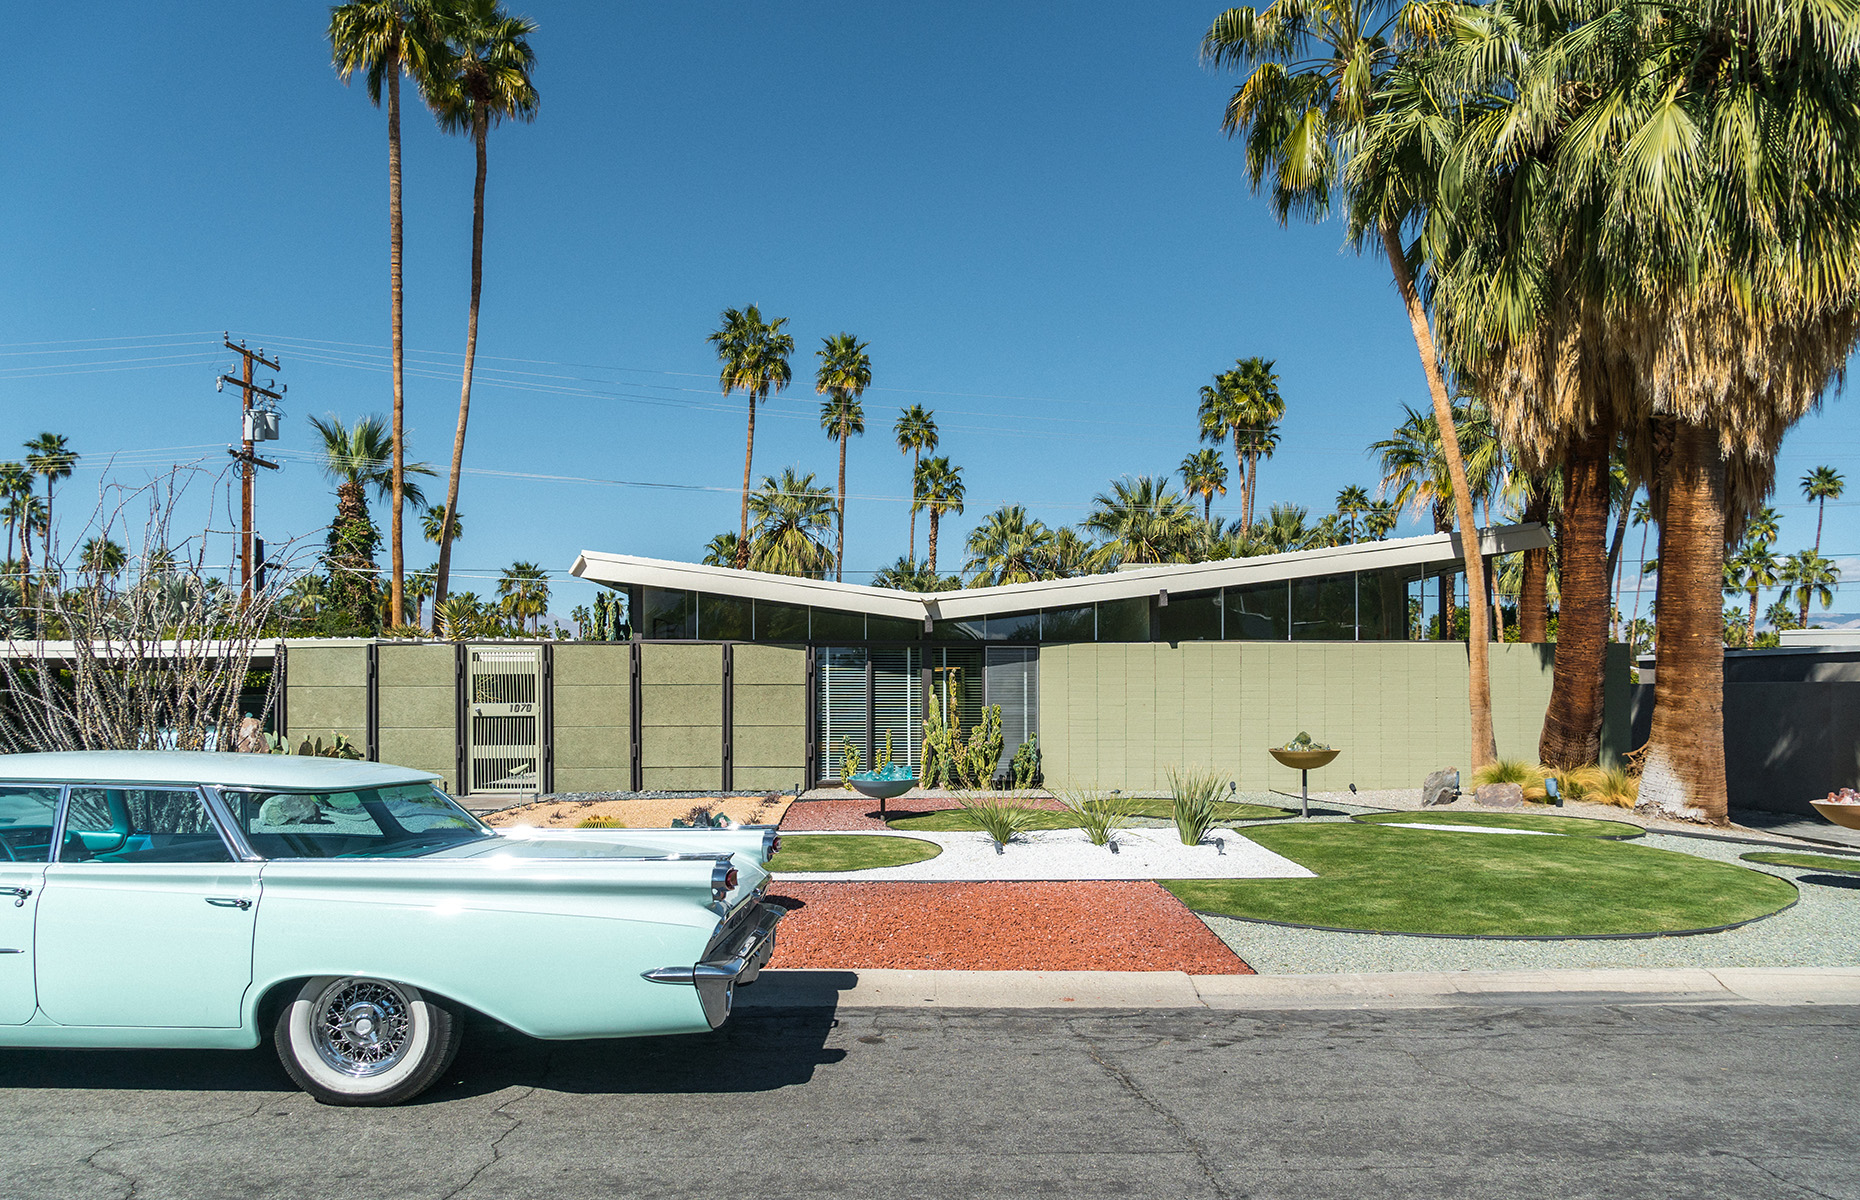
<point x="793" y="518"/>
<point x="845" y="373"/>
<point x="1380" y="519"/>
<point x="720" y="551"/>
<point x="1244" y="404"/>
<point x="419" y="591"/>
<point x="754" y="354"/>
<point x="916" y="434"/>
<point x="357" y="459"/>
<point x="1315" y="66"/>
<point x="1818" y="487"/>
<point x="50" y="456"/>
<point x="484" y="79"/>
<point x="1204" y="474"/>
<point x="1806" y="576"/>
<point x="432" y="521"/>
<point x="26" y="513"/>
<point x="1144" y="520"/>
<point x="909" y="575"/>
<point x="1416" y="468"/>
<point x="383" y="39"/>
<point x="15" y="481"/>
<point x="1750" y="570"/>
<point x="102" y="558"/>
<point x="525" y="589"/>
<point x="938" y="489"/>
<point x="1352" y="502"/>
<point x="1284" y="529"/>
<point x="1009" y="547"/>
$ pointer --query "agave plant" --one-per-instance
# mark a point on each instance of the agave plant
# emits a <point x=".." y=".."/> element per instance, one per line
<point x="998" y="819"/>
<point x="1100" y="814"/>
<point x="1194" y="792"/>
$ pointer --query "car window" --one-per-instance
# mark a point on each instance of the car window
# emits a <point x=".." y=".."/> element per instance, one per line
<point x="26" y="818"/>
<point x="366" y="823"/>
<point x="140" y="825"/>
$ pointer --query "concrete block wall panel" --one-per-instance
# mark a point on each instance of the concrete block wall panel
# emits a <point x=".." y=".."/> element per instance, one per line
<point x="327" y="691"/>
<point x="1123" y="713"/>
<point x="417" y="707"/>
<point x="592" y="707"/>
<point x="1617" y="704"/>
<point x="769" y="711"/>
<point x="681" y="716"/>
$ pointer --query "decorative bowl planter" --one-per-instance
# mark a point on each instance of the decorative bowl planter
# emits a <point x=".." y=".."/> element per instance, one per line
<point x="881" y="789"/>
<point x="1847" y="815"/>
<point x="1304" y="760"/>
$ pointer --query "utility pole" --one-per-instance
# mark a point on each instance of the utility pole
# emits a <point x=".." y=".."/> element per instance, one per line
<point x="256" y="425"/>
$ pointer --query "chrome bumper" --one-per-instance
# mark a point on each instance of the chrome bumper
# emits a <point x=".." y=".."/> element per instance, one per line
<point x="739" y="960"/>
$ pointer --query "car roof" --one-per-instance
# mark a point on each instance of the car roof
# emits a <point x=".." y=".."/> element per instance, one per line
<point x="276" y="772"/>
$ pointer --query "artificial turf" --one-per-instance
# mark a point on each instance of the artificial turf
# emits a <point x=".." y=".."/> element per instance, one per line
<point x="1535" y="822"/>
<point x="1807" y="862"/>
<point x="1464" y="884"/>
<point x="950" y="820"/>
<point x="848" y="852"/>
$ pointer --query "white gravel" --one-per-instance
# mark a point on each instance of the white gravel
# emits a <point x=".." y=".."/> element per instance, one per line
<point x="1067" y="854"/>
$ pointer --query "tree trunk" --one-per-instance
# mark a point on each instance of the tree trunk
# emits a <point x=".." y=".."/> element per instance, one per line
<point x="1750" y="627"/>
<point x="394" y="270"/>
<point x="935" y="516"/>
<point x="916" y="461"/>
<point x="1534" y="588"/>
<point x="749" y="450"/>
<point x="1572" y="731"/>
<point x="1478" y="651"/>
<point x="442" y="571"/>
<point x="839" y="537"/>
<point x="1684" y="766"/>
<point x="1821" y="512"/>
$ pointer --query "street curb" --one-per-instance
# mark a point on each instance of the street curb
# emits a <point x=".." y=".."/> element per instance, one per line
<point x="1268" y="993"/>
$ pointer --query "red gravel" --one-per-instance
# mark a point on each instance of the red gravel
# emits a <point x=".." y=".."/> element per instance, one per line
<point x="860" y="813"/>
<point x="1091" y="926"/>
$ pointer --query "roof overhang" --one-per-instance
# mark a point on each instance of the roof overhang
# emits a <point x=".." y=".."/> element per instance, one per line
<point x="1428" y="550"/>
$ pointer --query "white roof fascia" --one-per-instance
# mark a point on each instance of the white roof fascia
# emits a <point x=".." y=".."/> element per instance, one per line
<point x="1427" y="549"/>
<point x="626" y="569"/>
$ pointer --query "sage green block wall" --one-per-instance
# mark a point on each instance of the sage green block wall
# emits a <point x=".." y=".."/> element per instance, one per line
<point x="593" y="718"/>
<point x="1121" y="714"/>
<point x="681" y="716"/>
<point x="769" y="706"/>
<point x="326" y="691"/>
<point x="417" y="708"/>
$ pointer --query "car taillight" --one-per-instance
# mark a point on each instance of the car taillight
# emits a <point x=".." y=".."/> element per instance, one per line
<point x="729" y="880"/>
<point x="775" y="846"/>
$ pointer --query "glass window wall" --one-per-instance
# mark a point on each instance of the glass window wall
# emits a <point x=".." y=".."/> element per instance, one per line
<point x="724" y="618"/>
<point x="668" y="613"/>
<point x="1257" y="613"/>
<point x="1191" y="618"/>
<point x="1124" y="620"/>
<point x="1324" y="609"/>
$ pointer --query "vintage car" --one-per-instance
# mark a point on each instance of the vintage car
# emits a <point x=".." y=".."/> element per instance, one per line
<point x="351" y="910"/>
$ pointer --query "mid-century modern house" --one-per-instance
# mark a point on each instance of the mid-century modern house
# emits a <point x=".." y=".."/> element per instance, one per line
<point x="743" y="680"/>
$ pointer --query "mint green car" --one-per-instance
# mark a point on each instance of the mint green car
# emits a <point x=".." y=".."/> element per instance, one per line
<point x="351" y="910"/>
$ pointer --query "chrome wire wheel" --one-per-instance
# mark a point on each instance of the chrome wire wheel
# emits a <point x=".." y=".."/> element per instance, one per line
<point x="362" y="1027"/>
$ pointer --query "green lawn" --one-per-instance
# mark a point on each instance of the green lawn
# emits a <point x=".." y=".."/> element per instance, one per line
<point x="848" y="852"/>
<point x="1537" y="822"/>
<point x="950" y="820"/>
<point x="1808" y="862"/>
<point x="1391" y="881"/>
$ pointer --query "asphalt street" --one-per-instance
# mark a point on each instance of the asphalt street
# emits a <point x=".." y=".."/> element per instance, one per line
<point x="1565" y="1101"/>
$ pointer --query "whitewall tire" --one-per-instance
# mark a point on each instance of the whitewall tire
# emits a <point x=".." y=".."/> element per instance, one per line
<point x="354" y="1040"/>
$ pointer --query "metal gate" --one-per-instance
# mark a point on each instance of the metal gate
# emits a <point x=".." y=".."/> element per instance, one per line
<point x="504" y="733"/>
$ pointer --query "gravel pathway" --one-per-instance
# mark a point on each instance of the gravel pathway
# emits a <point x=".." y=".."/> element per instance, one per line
<point x="1069" y="854"/>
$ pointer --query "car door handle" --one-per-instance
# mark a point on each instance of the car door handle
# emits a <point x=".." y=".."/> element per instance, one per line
<point x="19" y="896"/>
<point x="238" y="902"/>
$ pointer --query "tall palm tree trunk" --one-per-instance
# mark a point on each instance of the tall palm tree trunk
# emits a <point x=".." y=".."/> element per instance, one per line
<point x="442" y="571"/>
<point x="1683" y="772"/>
<point x="934" y="518"/>
<point x="394" y="270"/>
<point x="1478" y="649"/>
<point x="1821" y="511"/>
<point x="839" y="537"/>
<point x="1572" y="732"/>
<point x="916" y="462"/>
<point x="749" y="450"/>
<point x="1750" y="626"/>
<point x="1534" y="588"/>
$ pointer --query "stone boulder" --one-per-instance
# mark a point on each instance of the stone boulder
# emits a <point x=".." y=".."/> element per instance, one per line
<point x="1499" y="795"/>
<point x="1442" y="787"/>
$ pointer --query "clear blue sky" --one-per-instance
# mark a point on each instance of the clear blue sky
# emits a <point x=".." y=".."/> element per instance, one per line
<point x="1028" y="211"/>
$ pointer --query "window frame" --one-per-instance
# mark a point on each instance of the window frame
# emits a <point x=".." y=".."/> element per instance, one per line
<point x="208" y="797"/>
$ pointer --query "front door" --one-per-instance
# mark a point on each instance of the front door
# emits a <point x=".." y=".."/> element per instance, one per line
<point x="27" y="815"/>
<point x="146" y="918"/>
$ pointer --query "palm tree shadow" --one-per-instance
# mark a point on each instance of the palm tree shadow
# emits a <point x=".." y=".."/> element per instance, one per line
<point x="1851" y="882"/>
